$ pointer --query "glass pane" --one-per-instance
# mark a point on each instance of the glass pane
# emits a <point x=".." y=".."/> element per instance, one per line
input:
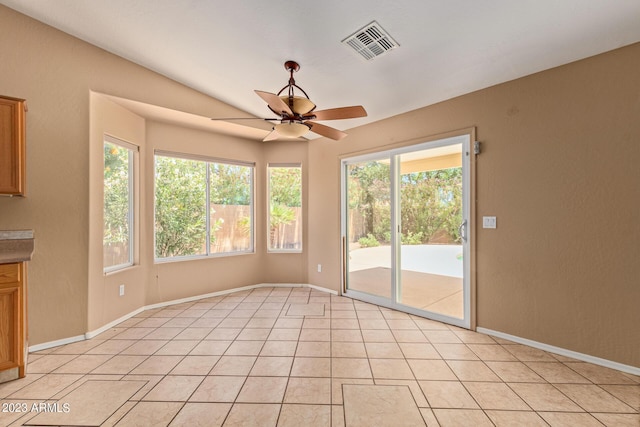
<point x="285" y="208"/>
<point x="231" y="217"/>
<point x="431" y="213"/>
<point x="369" y="227"/>
<point x="118" y="203"/>
<point x="180" y="211"/>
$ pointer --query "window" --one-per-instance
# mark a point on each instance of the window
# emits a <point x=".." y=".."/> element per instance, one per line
<point x="202" y="206"/>
<point x="285" y="207"/>
<point x="118" y="211"/>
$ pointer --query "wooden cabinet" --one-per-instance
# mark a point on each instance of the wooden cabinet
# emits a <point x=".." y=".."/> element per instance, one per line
<point x="12" y="321"/>
<point x="12" y="146"/>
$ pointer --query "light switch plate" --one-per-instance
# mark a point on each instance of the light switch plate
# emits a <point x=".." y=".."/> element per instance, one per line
<point x="489" y="222"/>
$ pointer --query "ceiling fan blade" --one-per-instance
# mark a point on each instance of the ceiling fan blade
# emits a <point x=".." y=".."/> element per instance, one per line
<point x="276" y="104"/>
<point x="241" y="118"/>
<point x="340" y="113"/>
<point x="327" y="131"/>
<point x="271" y="136"/>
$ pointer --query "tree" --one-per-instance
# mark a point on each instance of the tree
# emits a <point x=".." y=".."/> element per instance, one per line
<point x="180" y="216"/>
<point x="116" y="200"/>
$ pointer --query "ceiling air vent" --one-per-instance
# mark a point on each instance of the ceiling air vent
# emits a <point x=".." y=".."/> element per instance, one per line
<point x="370" y="41"/>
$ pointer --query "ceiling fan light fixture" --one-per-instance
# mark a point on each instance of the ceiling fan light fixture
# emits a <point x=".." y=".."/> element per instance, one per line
<point x="291" y="129"/>
<point x="301" y="105"/>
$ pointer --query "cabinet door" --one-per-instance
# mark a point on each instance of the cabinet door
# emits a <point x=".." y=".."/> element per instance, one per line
<point x="12" y="146"/>
<point x="11" y="317"/>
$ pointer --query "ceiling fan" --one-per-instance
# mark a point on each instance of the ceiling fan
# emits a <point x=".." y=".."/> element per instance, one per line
<point x="295" y="113"/>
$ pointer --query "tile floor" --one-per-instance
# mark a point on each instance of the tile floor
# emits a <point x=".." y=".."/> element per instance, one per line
<point x="300" y="357"/>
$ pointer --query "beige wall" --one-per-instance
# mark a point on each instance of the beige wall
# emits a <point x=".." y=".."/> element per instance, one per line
<point x="559" y="169"/>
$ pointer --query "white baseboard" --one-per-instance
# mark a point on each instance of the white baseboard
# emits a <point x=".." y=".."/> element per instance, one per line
<point x="563" y="352"/>
<point x="96" y="332"/>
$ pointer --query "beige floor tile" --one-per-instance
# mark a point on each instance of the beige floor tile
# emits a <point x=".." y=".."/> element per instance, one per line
<point x="348" y="349"/>
<point x="414" y="387"/>
<point x="45" y="387"/>
<point x="555" y="372"/>
<point x="410" y="335"/>
<point x="262" y="390"/>
<point x="119" y="365"/>
<point x="600" y="374"/>
<point x="516" y="418"/>
<point x="233" y="323"/>
<point x="564" y="419"/>
<point x="435" y="370"/>
<point x="378" y="335"/>
<point x="384" y="351"/>
<point x="514" y="372"/>
<point x="380" y="406"/>
<point x="370" y="314"/>
<point x="49" y="363"/>
<point x="193" y="333"/>
<point x="467" y="370"/>
<point x="417" y="350"/>
<point x="302" y="309"/>
<point x="177" y="348"/>
<point x="279" y="348"/>
<point x="223" y="334"/>
<point x="201" y="415"/>
<point x="462" y="417"/>
<point x="195" y="365"/>
<point x="491" y="395"/>
<point x="544" y="397"/>
<point x="261" y="322"/>
<point x="593" y="398"/>
<point x="157" y="365"/>
<point x="313" y="349"/>
<point x="429" y="417"/>
<point x="83" y="364"/>
<point x="79" y="347"/>
<point x="203" y="322"/>
<point x="234" y="365"/>
<point x="244" y="348"/>
<point x="277" y="366"/>
<point x="242" y="313"/>
<point x="11" y="387"/>
<point x="150" y="414"/>
<point x="346" y="335"/>
<point x="283" y="323"/>
<point x="311" y="367"/>
<point x="629" y="394"/>
<point x="442" y="337"/>
<point x="401" y="324"/>
<point x="343" y="314"/>
<point x="85" y="409"/>
<point x="218" y="389"/>
<point x="210" y="348"/>
<point x="253" y="334"/>
<point x="179" y="322"/>
<point x="145" y="348"/>
<point x="618" y="420"/>
<point x="253" y="414"/>
<point x="455" y="351"/>
<point x="163" y="334"/>
<point x="305" y="415"/>
<point x="494" y="352"/>
<point x="174" y="388"/>
<point x="373" y="324"/>
<point x="391" y="369"/>
<point x="350" y="368"/>
<point x="150" y="382"/>
<point x="315" y="335"/>
<point x="309" y="391"/>
<point x="345" y="324"/>
<point x="447" y="394"/>
<point x="471" y="337"/>
<point x="428" y="324"/>
<point x="284" y="334"/>
<point x="336" y="387"/>
<point x="528" y="354"/>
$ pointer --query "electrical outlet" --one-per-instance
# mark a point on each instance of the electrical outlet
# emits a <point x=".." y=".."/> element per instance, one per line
<point x="121" y="290"/>
<point x="319" y="268"/>
<point x="489" y="222"/>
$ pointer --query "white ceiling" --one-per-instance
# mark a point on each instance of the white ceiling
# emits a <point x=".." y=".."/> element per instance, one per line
<point x="227" y="49"/>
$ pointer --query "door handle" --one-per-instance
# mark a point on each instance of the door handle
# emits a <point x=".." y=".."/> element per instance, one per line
<point x="463" y="231"/>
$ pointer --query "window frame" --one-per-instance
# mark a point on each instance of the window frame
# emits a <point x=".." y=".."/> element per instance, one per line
<point x="297" y="165"/>
<point x="133" y="194"/>
<point x="207" y="160"/>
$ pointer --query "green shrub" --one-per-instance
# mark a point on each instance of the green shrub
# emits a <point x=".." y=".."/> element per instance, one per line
<point x="368" y="242"/>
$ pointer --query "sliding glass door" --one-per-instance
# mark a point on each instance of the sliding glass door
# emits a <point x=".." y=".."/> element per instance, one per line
<point x="405" y="226"/>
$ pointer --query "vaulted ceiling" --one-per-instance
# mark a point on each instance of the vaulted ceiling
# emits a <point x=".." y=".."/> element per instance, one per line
<point x="227" y="49"/>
